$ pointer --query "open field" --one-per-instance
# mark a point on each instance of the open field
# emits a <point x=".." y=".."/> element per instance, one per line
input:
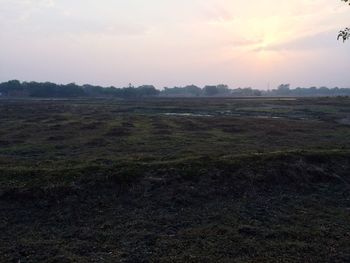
<point x="175" y="180"/>
<point x="55" y="132"/>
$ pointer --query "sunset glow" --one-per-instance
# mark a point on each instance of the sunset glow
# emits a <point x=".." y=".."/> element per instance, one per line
<point x="168" y="43"/>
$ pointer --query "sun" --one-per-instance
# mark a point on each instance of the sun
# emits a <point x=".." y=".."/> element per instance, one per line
<point x="267" y="35"/>
<point x="269" y="31"/>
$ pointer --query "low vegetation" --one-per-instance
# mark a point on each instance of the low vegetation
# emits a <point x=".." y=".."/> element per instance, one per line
<point x="175" y="180"/>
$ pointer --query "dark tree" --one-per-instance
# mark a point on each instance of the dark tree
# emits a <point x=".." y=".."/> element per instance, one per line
<point x="344" y="34"/>
<point x="210" y="90"/>
<point x="12" y="88"/>
<point x="283" y="90"/>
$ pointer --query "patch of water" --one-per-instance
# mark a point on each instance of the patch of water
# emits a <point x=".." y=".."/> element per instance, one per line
<point x="187" y="114"/>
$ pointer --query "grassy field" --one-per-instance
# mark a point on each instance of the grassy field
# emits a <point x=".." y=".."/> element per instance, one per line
<point x="175" y="180"/>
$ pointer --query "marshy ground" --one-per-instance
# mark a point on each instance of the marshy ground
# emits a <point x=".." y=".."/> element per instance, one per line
<point x="175" y="180"/>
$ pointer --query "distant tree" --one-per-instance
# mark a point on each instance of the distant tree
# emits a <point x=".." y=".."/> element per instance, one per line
<point x="70" y="90"/>
<point x="324" y="91"/>
<point x="14" y="84"/>
<point x="52" y="90"/>
<point x="193" y="90"/>
<point x="147" y="91"/>
<point x="41" y="90"/>
<point x="210" y="90"/>
<point x="176" y="91"/>
<point x="15" y="88"/>
<point x="345" y="33"/>
<point x="94" y="91"/>
<point x="12" y="88"/>
<point x="283" y="90"/>
<point x="223" y="89"/>
<point x="246" y="92"/>
<point x="187" y="91"/>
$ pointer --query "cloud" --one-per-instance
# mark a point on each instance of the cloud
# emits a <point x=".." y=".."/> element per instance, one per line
<point x="42" y="18"/>
<point x="322" y="40"/>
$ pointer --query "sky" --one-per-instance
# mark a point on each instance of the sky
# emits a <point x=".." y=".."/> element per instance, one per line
<point x="241" y="43"/>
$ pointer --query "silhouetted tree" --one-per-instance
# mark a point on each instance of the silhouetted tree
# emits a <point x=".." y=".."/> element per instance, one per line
<point x="210" y="90"/>
<point x="52" y="90"/>
<point x="187" y="91"/>
<point x="283" y="90"/>
<point x="193" y="90"/>
<point x="15" y="88"/>
<point x="12" y="88"/>
<point x="246" y="92"/>
<point x="344" y="34"/>
<point x="223" y="89"/>
<point x="147" y="91"/>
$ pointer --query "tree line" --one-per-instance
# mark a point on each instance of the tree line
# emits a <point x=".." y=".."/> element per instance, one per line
<point x="15" y="88"/>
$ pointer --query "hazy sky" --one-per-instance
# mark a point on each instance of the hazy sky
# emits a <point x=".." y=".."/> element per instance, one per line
<point x="175" y="42"/>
